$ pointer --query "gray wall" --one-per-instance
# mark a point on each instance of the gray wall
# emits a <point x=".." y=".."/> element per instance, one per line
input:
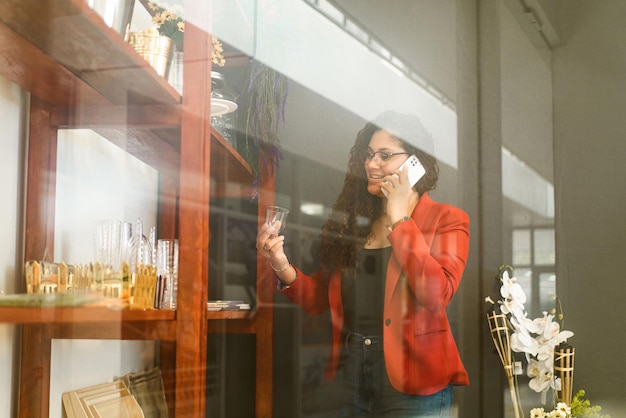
<point x="590" y="144"/>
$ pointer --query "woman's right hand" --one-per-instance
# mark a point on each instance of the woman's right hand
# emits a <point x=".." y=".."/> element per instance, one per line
<point x="269" y="245"/>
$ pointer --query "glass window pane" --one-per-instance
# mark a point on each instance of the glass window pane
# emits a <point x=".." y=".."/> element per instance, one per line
<point x="544" y="250"/>
<point x="547" y="291"/>
<point x="301" y="81"/>
<point x="521" y="247"/>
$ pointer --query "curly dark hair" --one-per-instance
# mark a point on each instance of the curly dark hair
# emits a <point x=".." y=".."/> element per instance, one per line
<point x="345" y="233"/>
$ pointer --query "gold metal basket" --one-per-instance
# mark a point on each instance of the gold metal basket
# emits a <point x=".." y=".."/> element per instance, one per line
<point x="154" y="48"/>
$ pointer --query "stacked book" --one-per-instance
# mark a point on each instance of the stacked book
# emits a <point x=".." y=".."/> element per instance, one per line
<point x="227" y="305"/>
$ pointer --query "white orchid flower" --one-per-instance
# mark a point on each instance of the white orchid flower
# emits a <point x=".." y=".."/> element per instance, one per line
<point x="522" y="342"/>
<point x="511" y="289"/>
<point x="513" y="307"/>
<point x="536" y="338"/>
<point x="549" y="336"/>
<point x="533" y="368"/>
<point x="545" y="352"/>
<point x="562" y="337"/>
<point x="551" y="329"/>
<point x="541" y="322"/>
<point x="517" y="324"/>
<point x="541" y="382"/>
<point x="549" y="332"/>
<point x="554" y="335"/>
<point x="522" y="322"/>
<point x="541" y="375"/>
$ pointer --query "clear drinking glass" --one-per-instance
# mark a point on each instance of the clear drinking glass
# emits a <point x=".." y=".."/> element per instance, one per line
<point x="175" y="77"/>
<point x="139" y="251"/>
<point x="167" y="271"/>
<point x="127" y="234"/>
<point x="274" y="214"/>
<point x="108" y="243"/>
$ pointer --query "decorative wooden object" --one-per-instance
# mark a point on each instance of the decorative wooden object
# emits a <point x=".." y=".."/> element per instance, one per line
<point x="564" y="369"/>
<point x="501" y="340"/>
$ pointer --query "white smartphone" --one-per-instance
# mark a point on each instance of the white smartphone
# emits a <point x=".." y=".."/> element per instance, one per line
<point x="416" y="169"/>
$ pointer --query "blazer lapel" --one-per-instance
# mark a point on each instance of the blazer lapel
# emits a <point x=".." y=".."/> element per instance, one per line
<point x="394" y="270"/>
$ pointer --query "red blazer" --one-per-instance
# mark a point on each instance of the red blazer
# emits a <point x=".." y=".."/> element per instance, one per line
<point x="423" y="275"/>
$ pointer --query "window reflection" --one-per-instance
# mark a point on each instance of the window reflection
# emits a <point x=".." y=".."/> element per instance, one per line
<point x="545" y="254"/>
<point x="342" y="72"/>
<point x="347" y="60"/>
<point x="534" y="262"/>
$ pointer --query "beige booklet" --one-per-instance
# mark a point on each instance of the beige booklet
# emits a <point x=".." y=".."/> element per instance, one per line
<point x="110" y="400"/>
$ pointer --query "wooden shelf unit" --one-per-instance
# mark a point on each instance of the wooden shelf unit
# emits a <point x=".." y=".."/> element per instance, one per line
<point x="81" y="74"/>
<point x="63" y="315"/>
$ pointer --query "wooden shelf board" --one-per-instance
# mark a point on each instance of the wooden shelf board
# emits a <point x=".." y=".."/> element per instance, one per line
<point x="214" y="315"/>
<point x="94" y="116"/>
<point x="73" y="35"/>
<point x="232" y="322"/>
<point x="149" y="132"/>
<point x="157" y="330"/>
<point x="147" y="147"/>
<point x="152" y="134"/>
<point x="80" y="315"/>
<point x="227" y="165"/>
<point x="28" y="67"/>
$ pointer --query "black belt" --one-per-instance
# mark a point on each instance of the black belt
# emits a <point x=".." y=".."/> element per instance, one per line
<point x="364" y="342"/>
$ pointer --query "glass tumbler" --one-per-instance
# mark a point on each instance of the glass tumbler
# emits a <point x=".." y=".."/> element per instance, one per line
<point x="108" y="243"/>
<point x="167" y="271"/>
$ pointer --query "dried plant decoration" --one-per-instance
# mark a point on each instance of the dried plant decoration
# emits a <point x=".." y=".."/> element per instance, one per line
<point x="267" y="98"/>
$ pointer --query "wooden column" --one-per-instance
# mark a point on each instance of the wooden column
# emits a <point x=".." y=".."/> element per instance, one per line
<point x="40" y="200"/>
<point x="40" y="184"/>
<point x="266" y="286"/>
<point x="191" y="334"/>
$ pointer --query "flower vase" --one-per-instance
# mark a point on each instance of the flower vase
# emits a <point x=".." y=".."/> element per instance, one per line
<point x="154" y="48"/>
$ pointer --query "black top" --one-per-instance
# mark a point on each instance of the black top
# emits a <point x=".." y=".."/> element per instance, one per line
<point x="364" y="296"/>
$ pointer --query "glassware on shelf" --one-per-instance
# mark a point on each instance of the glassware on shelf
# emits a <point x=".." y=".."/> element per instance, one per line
<point x="108" y="243"/>
<point x="167" y="271"/>
<point x="175" y="77"/>
<point x="127" y="234"/>
<point x="139" y="255"/>
<point x="117" y="14"/>
<point x="153" y="245"/>
<point x="139" y="249"/>
<point x="223" y="108"/>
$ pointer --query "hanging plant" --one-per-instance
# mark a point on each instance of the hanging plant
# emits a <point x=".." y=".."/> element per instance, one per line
<point x="267" y="98"/>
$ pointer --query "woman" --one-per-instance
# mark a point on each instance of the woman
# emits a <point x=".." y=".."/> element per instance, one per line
<point x="392" y="260"/>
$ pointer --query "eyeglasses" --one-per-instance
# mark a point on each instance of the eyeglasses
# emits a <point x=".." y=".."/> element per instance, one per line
<point x="383" y="157"/>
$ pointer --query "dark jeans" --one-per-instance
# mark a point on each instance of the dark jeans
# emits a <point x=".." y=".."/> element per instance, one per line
<point x="367" y="391"/>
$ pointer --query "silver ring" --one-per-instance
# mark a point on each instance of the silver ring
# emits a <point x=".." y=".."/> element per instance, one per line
<point x="265" y="248"/>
